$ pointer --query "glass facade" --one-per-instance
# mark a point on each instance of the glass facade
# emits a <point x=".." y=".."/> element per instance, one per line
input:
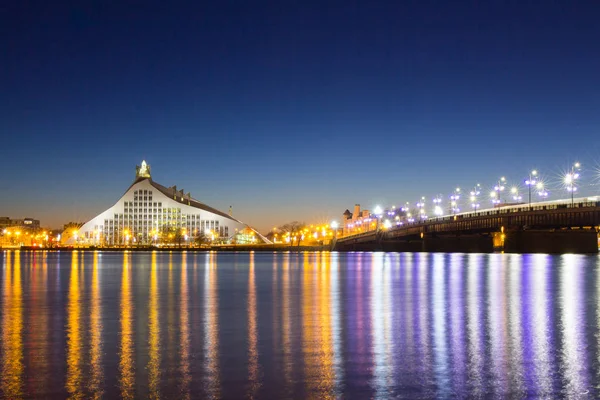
<point x="144" y="220"/>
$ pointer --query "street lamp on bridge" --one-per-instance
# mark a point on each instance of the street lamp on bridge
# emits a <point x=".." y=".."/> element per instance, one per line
<point x="570" y="180"/>
<point x="474" y="194"/>
<point x="542" y="192"/>
<point x="378" y="212"/>
<point x="530" y="182"/>
<point x="499" y="187"/>
<point x="454" y="197"/>
<point x="515" y="193"/>
<point x="437" y="209"/>
<point x="420" y="206"/>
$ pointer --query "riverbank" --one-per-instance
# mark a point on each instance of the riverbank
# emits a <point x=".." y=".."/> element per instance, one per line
<point x="223" y="248"/>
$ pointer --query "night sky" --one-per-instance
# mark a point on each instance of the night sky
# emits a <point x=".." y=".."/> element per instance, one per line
<point x="291" y="110"/>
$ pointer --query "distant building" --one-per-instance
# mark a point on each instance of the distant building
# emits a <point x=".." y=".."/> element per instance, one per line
<point x="357" y="221"/>
<point x="149" y="213"/>
<point x="26" y="223"/>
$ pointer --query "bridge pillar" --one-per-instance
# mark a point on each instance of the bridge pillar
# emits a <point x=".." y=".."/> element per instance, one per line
<point x="558" y="241"/>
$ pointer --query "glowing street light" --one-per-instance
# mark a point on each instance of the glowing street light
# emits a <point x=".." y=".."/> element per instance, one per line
<point x="499" y="187"/>
<point x="571" y="178"/>
<point x="454" y="197"/>
<point x="531" y="182"/>
<point x="474" y="194"/>
<point x="542" y="192"/>
<point x="334" y="226"/>
<point x="515" y="193"/>
<point x="437" y="209"/>
<point x="420" y="206"/>
<point x="378" y="211"/>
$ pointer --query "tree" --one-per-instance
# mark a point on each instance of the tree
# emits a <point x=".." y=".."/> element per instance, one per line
<point x="293" y="228"/>
<point x="201" y="238"/>
<point x="171" y="234"/>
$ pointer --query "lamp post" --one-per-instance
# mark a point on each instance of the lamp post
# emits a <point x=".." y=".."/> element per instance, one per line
<point x="530" y="182"/>
<point x="474" y="194"/>
<point x="437" y="209"/>
<point x="454" y="197"/>
<point x="515" y="193"/>
<point x="570" y="179"/>
<point x="542" y="192"/>
<point x="499" y="187"/>
<point x="334" y="226"/>
<point x="378" y="211"/>
<point x="420" y="206"/>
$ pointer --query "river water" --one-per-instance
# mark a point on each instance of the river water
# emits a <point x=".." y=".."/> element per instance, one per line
<point x="298" y="325"/>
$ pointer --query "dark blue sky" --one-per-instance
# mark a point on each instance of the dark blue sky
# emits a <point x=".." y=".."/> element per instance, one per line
<point x="290" y="109"/>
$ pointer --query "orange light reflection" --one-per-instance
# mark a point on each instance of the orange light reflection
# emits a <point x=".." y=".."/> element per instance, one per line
<point x="126" y="366"/>
<point x="74" y="333"/>
<point x="12" y="329"/>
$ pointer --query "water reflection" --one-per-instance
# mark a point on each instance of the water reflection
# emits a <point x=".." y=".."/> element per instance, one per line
<point x="211" y="328"/>
<point x="516" y="324"/>
<point x="36" y="352"/>
<point x="325" y="337"/>
<point x="309" y="350"/>
<point x="154" y="332"/>
<point x="184" y="329"/>
<point x="456" y="307"/>
<point x="380" y="316"/>
<point x="97" y="372"/>
<point x="336" y="323"/>
<point x="318" y="334"/>
<point x="541" y="313"/>
<point x="12" y="329"/>
<point x="74" y="333"/>
<point x="496" y="323"/>
<point x="572" y="317"/>
<point x="253" y="366"/>
<point x="475" y="339"/>
<point x="439" y="307"/>
<point x="286" y="323"/>
<point x="298" y="325"/>
<point x="126" y="351"/>
<point x="422" y="321"/>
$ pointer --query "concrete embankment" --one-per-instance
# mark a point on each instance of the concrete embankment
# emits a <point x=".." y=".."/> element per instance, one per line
<point x="225" y="248"/>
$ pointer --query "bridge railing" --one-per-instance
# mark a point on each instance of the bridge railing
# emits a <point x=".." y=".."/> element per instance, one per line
<point x="554" y="214"/>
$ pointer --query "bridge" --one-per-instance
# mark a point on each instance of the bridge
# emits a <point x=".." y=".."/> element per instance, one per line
<point x="562" y="226"/>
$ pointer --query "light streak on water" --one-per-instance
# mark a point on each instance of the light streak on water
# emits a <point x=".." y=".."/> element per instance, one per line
<point x="298" y="325"/>
<point x="126" y="350"/>
<point x="211" y="329"/>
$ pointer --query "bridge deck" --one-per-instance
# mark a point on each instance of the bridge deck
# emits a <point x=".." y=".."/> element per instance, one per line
<point x="545" y="217"/>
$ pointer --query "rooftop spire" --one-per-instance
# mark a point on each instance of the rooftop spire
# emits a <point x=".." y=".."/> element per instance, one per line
<point x="142" y="171"/>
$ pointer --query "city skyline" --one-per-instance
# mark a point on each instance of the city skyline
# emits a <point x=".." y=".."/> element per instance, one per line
<point x="291" y="112"/>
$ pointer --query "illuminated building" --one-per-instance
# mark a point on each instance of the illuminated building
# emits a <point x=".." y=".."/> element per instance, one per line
<point x="151" y="213"/>
<point x="358" y="221"/>
<point x="29" y="223"/>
